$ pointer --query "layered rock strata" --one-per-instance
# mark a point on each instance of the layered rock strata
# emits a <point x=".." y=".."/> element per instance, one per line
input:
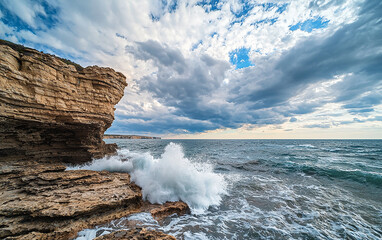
<point x="54" y="112"/>
<point x="50" y="109"/>
<point x="43" y="201"/>
<point x="160" y="212"/>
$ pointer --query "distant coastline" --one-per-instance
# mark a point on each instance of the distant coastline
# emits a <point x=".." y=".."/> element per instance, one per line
<point x="114" y="136"/>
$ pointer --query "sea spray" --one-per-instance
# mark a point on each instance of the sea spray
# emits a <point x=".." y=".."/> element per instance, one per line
<point x="116" y="163"/>
<point x="172" y="177"/>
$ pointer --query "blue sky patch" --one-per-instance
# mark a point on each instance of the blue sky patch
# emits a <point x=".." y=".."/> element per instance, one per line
<point x="210" y="5"/>
<point x="244" y="11"/>
<point x="240" y="58"/>
<point x="269" y="6"/>
<point x="12" y="20"/>
<point x="166" y="6"/>
<point x="281" y="8"/>
<point x="49" y="20"/>
<point x="271" y="21"/>
<point x="172" y="6"/>
<point x="154" y="18"/>
<point x="196" y="45"/>
<point x="310" y="24"/>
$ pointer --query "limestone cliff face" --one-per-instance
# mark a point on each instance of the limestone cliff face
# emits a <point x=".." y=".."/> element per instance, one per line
<point x="50" y="109"/>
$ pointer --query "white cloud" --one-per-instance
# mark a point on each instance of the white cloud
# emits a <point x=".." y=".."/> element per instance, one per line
<point x="26" y="10"/>
<point x="102" y="32"/>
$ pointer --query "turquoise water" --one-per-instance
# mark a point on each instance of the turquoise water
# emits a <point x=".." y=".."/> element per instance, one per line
<point x="260" y="189"/>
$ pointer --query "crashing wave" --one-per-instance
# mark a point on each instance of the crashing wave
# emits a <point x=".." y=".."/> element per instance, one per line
<point x="172" y="177"/>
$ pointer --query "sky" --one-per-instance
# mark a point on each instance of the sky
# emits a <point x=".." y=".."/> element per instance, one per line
<point x="226" y="69"/>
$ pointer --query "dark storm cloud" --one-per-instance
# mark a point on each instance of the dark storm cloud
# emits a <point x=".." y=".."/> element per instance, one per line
<point x="183" y="83"/>
<point x="363" y="103"/>
<point x="161" y="55"/>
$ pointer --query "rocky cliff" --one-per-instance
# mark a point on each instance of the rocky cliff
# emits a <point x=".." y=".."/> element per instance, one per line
<point x="54" y="110"/>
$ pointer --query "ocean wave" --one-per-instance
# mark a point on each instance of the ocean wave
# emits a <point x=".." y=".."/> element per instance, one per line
<point x="171" y="177"/>
<point x="306" y="146"/>
<point x="354" y="175"/>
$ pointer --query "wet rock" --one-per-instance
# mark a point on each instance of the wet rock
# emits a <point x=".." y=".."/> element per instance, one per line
<point x="57" y="204"/>
<point x="169" y="208"/>
<point x="136" y="234"/>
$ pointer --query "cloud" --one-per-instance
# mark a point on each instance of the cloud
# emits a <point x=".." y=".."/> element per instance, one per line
<point x="186" y="84"/>
<point x="160" y="55"/>
<point x="318" y="59"/>
<point x="325" y="125"/>
<point x="194" y="66"/>
<point x="24" y="10"/>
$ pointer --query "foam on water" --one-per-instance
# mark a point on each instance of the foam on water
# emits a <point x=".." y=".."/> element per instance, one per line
<point x="294" y="192"/>
<point x="140" y="219"/>
<point x="172" y="177"/>
<point x="89" y="234"/>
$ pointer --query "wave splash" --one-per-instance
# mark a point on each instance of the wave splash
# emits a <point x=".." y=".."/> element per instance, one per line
<point x="172" y="177"/>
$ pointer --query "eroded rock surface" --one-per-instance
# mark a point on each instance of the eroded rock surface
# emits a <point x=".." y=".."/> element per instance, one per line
<point x="50" y="109"/>
<point x="42" y="201"/>
<point x="54" y="112"/>
<point x="160" y="212"/>
<point x="136" y="234"/>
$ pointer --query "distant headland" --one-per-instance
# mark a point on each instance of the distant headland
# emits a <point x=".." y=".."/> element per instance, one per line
<point x="114" y="136"/>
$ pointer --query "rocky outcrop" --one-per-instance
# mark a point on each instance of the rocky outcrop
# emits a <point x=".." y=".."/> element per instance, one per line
<point x="54" y="112"/>
<point x="136" y="234"/>
<point x="42" y="201"/>
<point x="169" y="208"/>
<point x="51" y="108"/>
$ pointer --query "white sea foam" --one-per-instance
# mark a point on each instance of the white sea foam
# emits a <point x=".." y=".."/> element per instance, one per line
<point x="89" y="234"/>
<point x="172" y="177"/>
<point x="141" y="219"/>
<point x="307" y="146"/>
<point x="112" y="164"/>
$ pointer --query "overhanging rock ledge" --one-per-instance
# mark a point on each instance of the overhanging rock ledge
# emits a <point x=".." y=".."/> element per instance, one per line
<point x="51" y="108"/>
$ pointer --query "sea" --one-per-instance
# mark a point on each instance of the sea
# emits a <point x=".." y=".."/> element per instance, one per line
<point x="254" y="189"/>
